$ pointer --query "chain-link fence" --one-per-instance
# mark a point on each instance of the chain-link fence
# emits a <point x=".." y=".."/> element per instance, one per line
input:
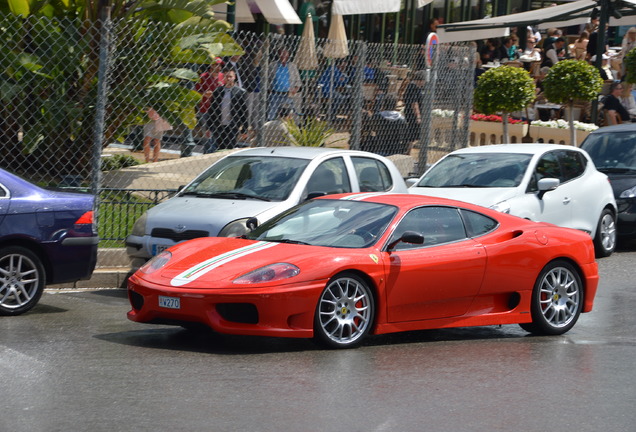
<point x="132" y="110"/>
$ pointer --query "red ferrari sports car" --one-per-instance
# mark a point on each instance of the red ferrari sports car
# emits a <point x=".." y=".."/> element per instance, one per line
<point x="345" y="266"/>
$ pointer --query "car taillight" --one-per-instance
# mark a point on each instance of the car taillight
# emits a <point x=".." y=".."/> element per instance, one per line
<point x="85" y="219"/>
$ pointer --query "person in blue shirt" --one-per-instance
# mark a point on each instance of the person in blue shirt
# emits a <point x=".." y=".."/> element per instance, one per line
<point x="284" y="84"/>
<point x="336" y="75"/>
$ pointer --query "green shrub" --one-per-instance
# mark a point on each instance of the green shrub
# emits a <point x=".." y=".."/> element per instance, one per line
<point x="313" y="133"/>
<point x="504" y="89"/>
<point x="118" y="161"/>
<point x="571" y="80"/>
<point x="630" y="66"/>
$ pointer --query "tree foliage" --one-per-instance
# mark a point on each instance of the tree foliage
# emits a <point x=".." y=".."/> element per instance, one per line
<point x="571" y="80"/>
<point x="630" y="66"/>
<point x="49" y="64"/>
<point x="503" y="89"/>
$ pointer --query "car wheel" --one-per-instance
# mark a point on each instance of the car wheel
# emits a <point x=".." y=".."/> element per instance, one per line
<point x="605" y="240"/>
<point x="21" y="280"/>
<point x="557" y="299"/>
<point x="345" y="311"/>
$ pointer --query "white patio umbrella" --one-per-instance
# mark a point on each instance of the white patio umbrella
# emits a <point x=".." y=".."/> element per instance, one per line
<point x="306" y="58"/>
<point x="335" y="48"/>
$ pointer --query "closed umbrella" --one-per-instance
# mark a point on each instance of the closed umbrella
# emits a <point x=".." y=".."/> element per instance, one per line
<point x="306" y="58"/>
<point x="335" y="48"/>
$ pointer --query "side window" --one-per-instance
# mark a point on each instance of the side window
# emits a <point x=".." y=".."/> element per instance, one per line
<point x="373" y="175"/>
<point x="330" y="177"/>
<point x="573" y="164"/>
<point x="477" y="224"/>
<point x="547" y="167"/>
<point x="437" y="224"/>
<point x="3" y="192"/>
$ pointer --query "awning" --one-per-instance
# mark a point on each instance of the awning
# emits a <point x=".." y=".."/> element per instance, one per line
<point x="576" y="12"/>
<point x="278" y="11"/>
<point x="242" y="13"/>
<point x="274" y="11"/>
<point x="360" y="7"/>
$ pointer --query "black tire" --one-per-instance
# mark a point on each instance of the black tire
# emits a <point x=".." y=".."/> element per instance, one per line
<point x="557" y="299"/>
<point x="345" y="312"/>
<point x="22" y="280"/>
<point x="605" y="239"/>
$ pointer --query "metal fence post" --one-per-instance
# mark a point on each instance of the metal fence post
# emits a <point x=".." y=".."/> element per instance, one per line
<point x="361" y="51"/>
<point x="100" y="105"/>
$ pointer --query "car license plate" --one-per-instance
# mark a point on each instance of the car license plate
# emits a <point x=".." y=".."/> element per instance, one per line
<point x="157" y="249"/>
<point x="170" y="302"/>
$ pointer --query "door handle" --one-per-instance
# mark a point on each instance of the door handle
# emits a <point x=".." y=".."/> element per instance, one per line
<point x="566" y="200"/>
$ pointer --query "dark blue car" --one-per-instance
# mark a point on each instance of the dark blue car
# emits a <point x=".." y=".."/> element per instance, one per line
<point x="46" y="237"/>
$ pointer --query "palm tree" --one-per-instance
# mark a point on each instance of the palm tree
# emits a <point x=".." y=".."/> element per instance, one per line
<point x="49" y="66"/>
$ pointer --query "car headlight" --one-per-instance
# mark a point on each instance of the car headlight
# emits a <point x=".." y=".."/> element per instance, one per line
<point x="629" y="193"/>
<point x="502" y="207"/>
<point x="270" y="273"/>
<point x="139" y="228"/>
<point x="235" y="228"/>
<point x="156" y="263"/>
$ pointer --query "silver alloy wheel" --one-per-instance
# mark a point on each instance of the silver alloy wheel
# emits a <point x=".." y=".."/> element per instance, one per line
<point x="19" y="281"/>
<point x="559" y="297"/>
<point x="345" y="310"/>
<point x="607" y="231"/>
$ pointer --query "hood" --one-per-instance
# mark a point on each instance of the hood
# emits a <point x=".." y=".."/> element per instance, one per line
<point x="484" y="197"/>
<point x="217" y="262"/>
<point x="621" y="182"/>
<point x="208" y="214"/>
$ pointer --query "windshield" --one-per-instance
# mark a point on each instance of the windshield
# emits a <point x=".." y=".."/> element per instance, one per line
<point x="612" y="152"/>
<point x="333" y="223"/>
<point x="257" y="177"/>
<point x="479" y="170"/>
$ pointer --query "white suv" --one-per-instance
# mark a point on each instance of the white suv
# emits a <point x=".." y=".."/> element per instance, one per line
<point x="541" y="182"/>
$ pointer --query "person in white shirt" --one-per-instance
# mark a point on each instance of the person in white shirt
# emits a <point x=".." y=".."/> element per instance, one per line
<point x="552" y="55"/>
<point x="531" y="53"/>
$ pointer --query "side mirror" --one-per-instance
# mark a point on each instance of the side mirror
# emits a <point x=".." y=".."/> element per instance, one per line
<point x="312" y="195"/>
<point x="410" y="237"/>
<point x="251" y="223"/>
<point x="547" y="184"/>
<point x="411" y="181"/>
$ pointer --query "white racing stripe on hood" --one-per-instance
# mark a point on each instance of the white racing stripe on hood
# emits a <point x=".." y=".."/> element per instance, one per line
<point x="200" y="269"/>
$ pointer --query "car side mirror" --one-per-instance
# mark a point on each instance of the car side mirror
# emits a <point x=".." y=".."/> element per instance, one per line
<point x="410" y="237"/>
<point x="411" y="181"/>
<point x="547" y="184"/>
<point x="312" y="195"/>
<point x="251" y="223"/>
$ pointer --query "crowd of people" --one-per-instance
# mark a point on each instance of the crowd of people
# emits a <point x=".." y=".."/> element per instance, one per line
<point x="540" y="52"/>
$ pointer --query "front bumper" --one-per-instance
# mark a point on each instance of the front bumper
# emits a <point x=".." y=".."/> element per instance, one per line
<point x="626" y="217"/>
<point x="280" y="311"/>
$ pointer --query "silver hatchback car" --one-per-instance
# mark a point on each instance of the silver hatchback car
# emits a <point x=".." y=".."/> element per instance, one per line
<point x="256" y="183"/>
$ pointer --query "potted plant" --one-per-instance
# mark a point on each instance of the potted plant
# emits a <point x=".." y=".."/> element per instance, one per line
<point x="571" y="80"/>
<point x="504" y="89"/>
<point x="313" y="133"/>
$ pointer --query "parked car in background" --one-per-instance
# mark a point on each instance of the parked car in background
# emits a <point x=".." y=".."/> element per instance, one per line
<point x="613" y="150"/>
<point x="540" y="182"/>
<point x="256" y="183"/>
<point x="46" y="237"/>
<point x="340" y="268"/>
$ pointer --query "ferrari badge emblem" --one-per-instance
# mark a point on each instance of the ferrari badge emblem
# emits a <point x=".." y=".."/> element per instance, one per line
<point x="374" y="258"/>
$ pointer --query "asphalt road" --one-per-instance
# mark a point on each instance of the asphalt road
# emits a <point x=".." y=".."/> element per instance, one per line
<point x="76" y="364"/>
